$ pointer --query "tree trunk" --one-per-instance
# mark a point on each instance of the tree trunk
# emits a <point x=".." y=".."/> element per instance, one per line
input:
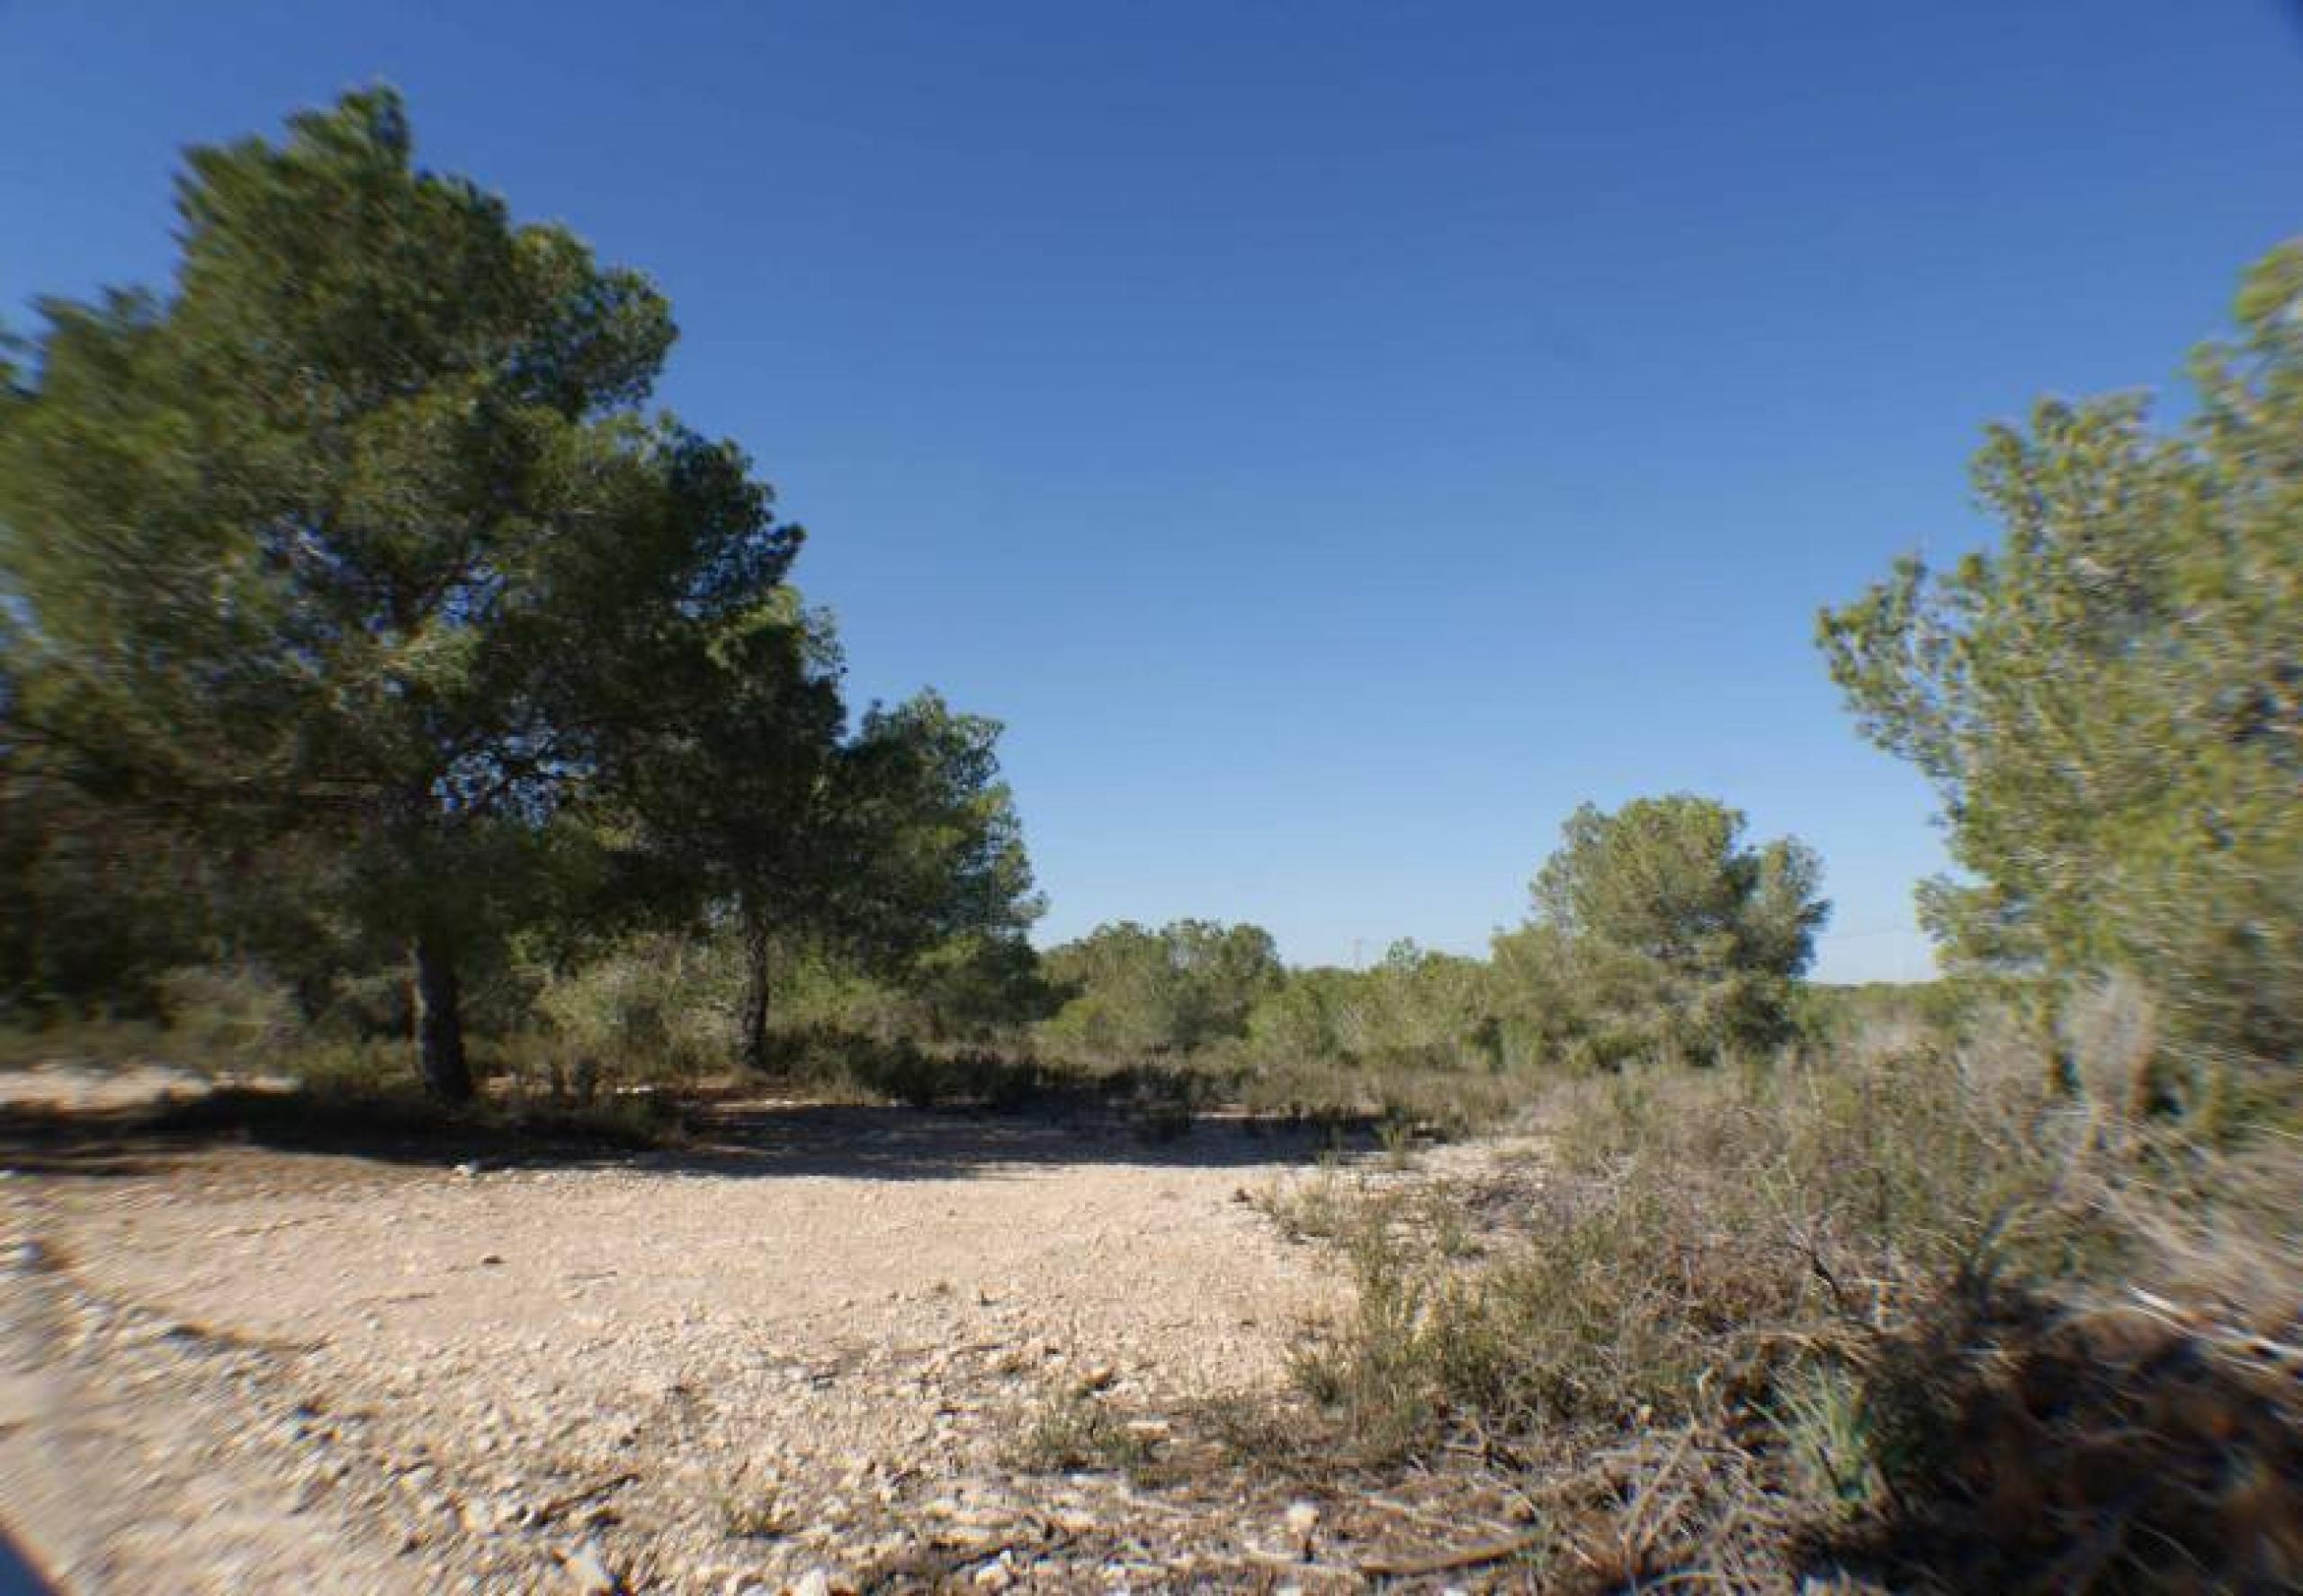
<point x="760" y="977"/>
<point x="440" y="1022"/>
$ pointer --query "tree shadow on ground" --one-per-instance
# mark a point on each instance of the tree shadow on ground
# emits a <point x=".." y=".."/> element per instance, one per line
<point x="719" y="1136"/>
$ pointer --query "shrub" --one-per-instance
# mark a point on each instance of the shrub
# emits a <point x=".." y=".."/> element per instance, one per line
<point x="1176" y="990"/>
<point x="2106" y="700"/>
<point x="1655" y="930"/>
<point x="231" y="1014"/>
<point x="1944" y="1307"/>
<point x="653" y="1007"/>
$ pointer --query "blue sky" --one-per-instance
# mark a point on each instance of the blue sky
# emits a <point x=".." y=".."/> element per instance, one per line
<point x="1338" y="439"/>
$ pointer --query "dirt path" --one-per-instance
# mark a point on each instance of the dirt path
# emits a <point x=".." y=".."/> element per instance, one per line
<point x="811" y="1353"/>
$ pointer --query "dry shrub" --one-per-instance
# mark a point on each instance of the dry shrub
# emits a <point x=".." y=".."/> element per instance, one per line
<point x="656" y="1009"/>
<point x="1437" y="1102"/>
<point x="1932" y="1309"/>
<point x="1073" y="1430"/>
<point x="2029" y="1445"/>
<point x="232" y="1016"/>
<point x="2110" y="1430"/>
<point x="1619" y="1304"/>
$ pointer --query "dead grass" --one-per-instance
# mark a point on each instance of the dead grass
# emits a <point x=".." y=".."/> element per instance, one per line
<point x="1920" y="1312"/>
<point x="1073" y="1430"/>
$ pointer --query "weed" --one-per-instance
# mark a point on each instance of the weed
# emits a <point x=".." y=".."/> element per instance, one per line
<point x="749" y="1509"/>
<point x="1074" y="1431"/>
<point x="1825" y="1434"/>
<point x="1397" y="1137"/>
<point x="1318" y="1206"/>
<point x="1938" y="1305"/>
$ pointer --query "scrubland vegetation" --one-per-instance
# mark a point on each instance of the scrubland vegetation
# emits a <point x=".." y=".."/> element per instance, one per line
<point x="1912" y="1310"/>
<point x="377" y="671"/>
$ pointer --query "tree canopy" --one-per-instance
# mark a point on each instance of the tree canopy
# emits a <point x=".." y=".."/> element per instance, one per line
<point x="2109" y="702"/>
<point x="364" y="536"/>
<point x="1178" y="988"/>
<point x="1657" y="929"/>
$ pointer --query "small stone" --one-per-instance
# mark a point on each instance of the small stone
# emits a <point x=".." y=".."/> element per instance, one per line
<point x="468" y="1172"/>
<point x="816" y="1582"/>
<point x="1303" y="1518"/>
<point x="588" y="1574"/>
<point x="490" y="1259"/>
<point x="485" y="1517"/>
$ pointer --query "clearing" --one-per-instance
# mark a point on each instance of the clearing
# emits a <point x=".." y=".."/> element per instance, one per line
<point x="825" y="1348"/>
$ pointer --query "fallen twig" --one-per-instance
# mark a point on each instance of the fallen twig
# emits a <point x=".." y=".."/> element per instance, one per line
<point x="1411" y="1566"/>
<point x="560" y="1504"/>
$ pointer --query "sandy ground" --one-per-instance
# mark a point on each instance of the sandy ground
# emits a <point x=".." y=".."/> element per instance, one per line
<point x="809" y="1355"/>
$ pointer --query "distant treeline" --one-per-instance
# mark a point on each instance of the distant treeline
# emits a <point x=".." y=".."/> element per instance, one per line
<point x="370" y="649"/>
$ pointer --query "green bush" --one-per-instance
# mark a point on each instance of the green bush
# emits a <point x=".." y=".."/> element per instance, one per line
<point x="1133" y="991"/>
<point x="653" y="1008"/>
<point x="2106" y="701"/>
<point x="233" y="1016"/>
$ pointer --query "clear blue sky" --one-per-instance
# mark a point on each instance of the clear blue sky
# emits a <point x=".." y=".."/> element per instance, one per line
<point x="1337" y="439"/>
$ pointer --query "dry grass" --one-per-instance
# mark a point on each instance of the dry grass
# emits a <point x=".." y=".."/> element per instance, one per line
<point x="1073" y="1430"/>
<point x="1427" y="1102"/>
<point x="1922" y="1312"/>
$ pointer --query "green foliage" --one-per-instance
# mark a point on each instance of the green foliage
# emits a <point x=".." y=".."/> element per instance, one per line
<point x="1415" y="1010"/>
<point x="1131" y="991"/>
<point x="2110" y="703"/>
<point x="891" y="854"/>
<point x="360" y="552"/>
<point x="232" y="1011"/>
<point x="1073" y="1430"/>
<point x="1656" y="930"/>
<point x="652" y="1005"/>
<point x="975" y="986"/>
<point x="362" y="534"/>
<point x="1830" y="1014"/>
<point x="93" y="908"/>
<point x="936" y="854"/>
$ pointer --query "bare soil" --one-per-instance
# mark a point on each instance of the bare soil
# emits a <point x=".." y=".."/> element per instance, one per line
<point x="816" y="1351"/>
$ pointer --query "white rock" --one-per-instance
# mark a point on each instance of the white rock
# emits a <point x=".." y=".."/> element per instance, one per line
<point x="588" y="1574"/>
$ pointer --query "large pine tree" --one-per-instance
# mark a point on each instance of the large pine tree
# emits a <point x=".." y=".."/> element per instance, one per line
<point x="363" y="531"/>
